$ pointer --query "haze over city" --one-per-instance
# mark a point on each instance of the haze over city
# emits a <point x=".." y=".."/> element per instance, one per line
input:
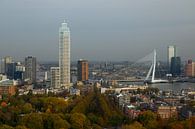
<point x="100" y="30"/>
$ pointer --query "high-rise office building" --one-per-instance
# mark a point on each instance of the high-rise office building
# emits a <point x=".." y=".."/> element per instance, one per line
<point x="64" y="55"/>
<point x="11" y="69"/>
<point x="19" y="73"/>
<point x="82" y="68"/>
<point x="171" y="52"/>
<point x="55" y="77"/>
<point x="190" y="69"/>
<point x="4" y="62"/>
<point x="175" y="66"/>
<point x="30" y="69"/>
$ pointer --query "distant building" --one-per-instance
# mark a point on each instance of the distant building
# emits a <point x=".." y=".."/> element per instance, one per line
<point x="6" y="60"/>
<point x="7" y="87"/>
<point x="46" y="76"/>
<point x="171" y="52"/>
<point x="74" y="91"/>
<point x="166" y="112"/>
<point x="3" y="77"/>
<point x="19" y="72"/>
<point x="175" y="69"/>
<point x="11" y="69"/>
<point x="30" y="69"/>
<point x="190" y="69"/>
<point x="83" y="71"/>
<point x="64" y="55"/>
<point x="55" y="77"/>
<point x="15" y="71"/>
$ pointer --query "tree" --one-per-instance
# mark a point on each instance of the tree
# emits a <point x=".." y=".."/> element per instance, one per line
<point x="135" y="125"/>
<point x="20" y="127"/>
<point x="27" y="108"/>
<point x="77" y="120"/>
<point x="95" y="126"/>
<point x="32" y="121"/>
<point x="6" y="127"/>
<point x="176" y="125"/>
<point x="147" y="117"/>
<point x="54" y="121"/>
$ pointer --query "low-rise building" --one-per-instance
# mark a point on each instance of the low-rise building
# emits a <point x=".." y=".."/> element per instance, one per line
<point x="166" y="112"/>
<point x="7" y="87"/>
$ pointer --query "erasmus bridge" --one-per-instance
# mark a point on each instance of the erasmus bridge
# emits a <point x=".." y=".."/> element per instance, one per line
<point x="150" y="77"/>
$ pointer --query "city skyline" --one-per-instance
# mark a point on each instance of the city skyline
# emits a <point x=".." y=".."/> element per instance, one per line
<point x="100" y="30"/>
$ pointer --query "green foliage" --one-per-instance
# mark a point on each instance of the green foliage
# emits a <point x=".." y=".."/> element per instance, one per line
<point x="77" y="120"/>
<point x="116" y="120"/>
<point x="6" y="127"/>
<point x="44" y="121"/>
<point x="147" y="117"/>
<point x="95" y="126"/>
<point x="20" y="127"/>
<point x="94" y="110"/>
<point x="54" y="121"/>
<point x="27" y="108"/>
<point x="99" y="110"/>
<point x="176" y="125"/>
<point x="135" y="125"/>
<point x="32" y="121"/>
<point x="83" y="104"/>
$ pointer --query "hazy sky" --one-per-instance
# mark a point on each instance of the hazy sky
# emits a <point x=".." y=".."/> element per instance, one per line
<point x="100" y="29"/>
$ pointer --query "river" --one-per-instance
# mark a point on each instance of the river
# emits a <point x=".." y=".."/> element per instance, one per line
<point x="177" y="86"/>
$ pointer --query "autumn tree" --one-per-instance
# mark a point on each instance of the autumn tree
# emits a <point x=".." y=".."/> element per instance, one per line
<point x="135" y="125"/>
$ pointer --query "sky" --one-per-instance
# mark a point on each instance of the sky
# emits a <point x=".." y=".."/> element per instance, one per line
<point x="106" y="30"/>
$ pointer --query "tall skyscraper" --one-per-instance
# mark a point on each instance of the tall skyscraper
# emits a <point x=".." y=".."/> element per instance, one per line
<point x="82" y="68"/>
<point x="175" y="66"/>
<point x="11" y="69"/>
<point x="64" y="55"/>
<point x="4" y="62"/>
<point x="30" y="69"/>
<point x="190" y="69"/>
<point x="171" y="52"/>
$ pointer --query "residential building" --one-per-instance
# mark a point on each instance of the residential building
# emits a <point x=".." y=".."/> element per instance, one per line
<point x="64" y="55"/>
<point x="55" y="77"/>
<point x="83" y="71"/>
<point x="7" y="87"/>
<point x="166" y="112"/>
<point x="190" y="69"/>
<point x="30" y="69"/>
<point x="6" y="60"/>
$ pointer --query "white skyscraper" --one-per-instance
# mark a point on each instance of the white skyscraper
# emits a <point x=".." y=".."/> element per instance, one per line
<point x="64" y="55"/>
<point x="171" y="52"/>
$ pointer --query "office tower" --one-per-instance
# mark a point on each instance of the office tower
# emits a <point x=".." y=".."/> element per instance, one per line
<point x="30" y="69"/>
<point x="19" y="73"/>
<point x="175" y="66"/>
<point x="11" y="69"/>
<point x="64" y="55"/>
<point x="73" y="73"/>
<point x="171" y="52"/>
<point x="190" y="69"/>
<point x="6" y="60"/>
<point x="46" y="76"/>
<point x="82" y="68"/>
<point x="55" y="77"/>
